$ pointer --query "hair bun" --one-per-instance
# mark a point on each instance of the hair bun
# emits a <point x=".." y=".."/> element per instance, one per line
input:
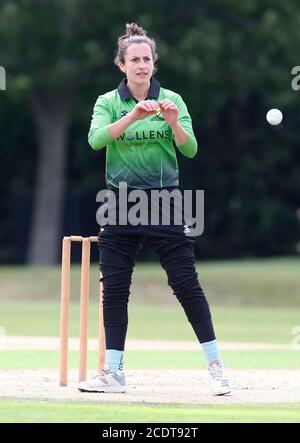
<point x="134" y="29"/>
<point x="131" y="30"/>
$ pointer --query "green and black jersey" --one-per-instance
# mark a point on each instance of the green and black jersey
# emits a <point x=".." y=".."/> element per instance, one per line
<point x="144" y="155"/>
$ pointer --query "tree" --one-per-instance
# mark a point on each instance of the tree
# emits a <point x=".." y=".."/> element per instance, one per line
<point x="230" y="60"/>
<point x="52" y="49"/>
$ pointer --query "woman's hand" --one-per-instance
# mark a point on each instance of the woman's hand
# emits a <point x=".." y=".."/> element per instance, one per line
<point x="143" y="109"/>
<point x="169" y="111"/>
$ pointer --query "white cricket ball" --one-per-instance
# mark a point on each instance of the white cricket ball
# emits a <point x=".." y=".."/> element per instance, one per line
<point x="274" y="116"/>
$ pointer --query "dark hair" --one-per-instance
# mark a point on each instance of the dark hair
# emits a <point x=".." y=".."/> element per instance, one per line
<point x="134" y="34"/>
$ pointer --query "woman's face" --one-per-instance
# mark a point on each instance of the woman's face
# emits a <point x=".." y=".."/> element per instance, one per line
<point x="139" y="64"/>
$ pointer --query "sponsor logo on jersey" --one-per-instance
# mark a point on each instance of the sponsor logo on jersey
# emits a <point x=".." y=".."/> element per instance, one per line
<point x="143" y="135"/>
<point x="157" y="118"/>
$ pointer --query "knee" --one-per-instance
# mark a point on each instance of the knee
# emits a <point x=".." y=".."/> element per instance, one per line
<point x="116" y="283"/>
<point x="186" y="286"/>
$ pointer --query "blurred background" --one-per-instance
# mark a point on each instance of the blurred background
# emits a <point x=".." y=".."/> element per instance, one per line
<point x="231" y="61"/>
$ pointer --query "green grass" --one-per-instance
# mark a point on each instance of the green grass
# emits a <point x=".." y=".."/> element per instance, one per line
<point x="263" y="282"/>
<point x="149" y="322"/>
<point x="41" y="412"/>
<point x="248" y="359"/>
<point x="251" y="301"/>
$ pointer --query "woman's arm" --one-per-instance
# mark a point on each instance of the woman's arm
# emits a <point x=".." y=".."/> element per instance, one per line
<point x="180" y="134"/>
<point x="99" y="136"/>
<point x="117" y="128"/>
<point x="179" y="120"/>
<point x="103" y="131"/>
<point x="141" y="110"/>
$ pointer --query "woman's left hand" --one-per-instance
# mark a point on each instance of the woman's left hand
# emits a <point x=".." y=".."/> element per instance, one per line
<point x="169" y="111"/>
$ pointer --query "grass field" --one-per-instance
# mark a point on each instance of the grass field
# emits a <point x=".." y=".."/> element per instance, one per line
<point x="261" y="282"/>
<point x="251" y="300"/>
<point x="240" y="359"/>
<point x="45" y="412"/>
<point x="152" y="322"/>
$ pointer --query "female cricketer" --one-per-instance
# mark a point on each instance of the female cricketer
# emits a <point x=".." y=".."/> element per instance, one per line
<point x="142" y="124"/>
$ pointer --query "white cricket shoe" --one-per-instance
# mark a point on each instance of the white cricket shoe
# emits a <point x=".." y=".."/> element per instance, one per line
<point x="218" y="379"/>
<point x="105" y="381"/>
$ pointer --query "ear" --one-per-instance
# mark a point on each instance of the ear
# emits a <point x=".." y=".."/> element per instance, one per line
<point x="122" y="67"/>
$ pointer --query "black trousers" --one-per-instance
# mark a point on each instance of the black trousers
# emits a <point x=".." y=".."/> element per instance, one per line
<point x="119" y="249"/>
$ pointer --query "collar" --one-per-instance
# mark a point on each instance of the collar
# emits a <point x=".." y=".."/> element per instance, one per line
<point x="125" y="94"/>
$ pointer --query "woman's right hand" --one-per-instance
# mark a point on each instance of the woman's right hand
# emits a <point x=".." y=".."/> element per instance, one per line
<point x="143" y="109"/>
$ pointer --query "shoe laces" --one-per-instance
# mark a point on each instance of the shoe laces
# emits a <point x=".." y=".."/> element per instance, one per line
<point x="102" y="374"/>
<point x="106" y="371"/>
<point x="215" y="369"/>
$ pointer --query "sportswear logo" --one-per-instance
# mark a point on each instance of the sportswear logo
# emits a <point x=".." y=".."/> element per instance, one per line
<point x="123" y="113"/>
<point x="186" y="229"/>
